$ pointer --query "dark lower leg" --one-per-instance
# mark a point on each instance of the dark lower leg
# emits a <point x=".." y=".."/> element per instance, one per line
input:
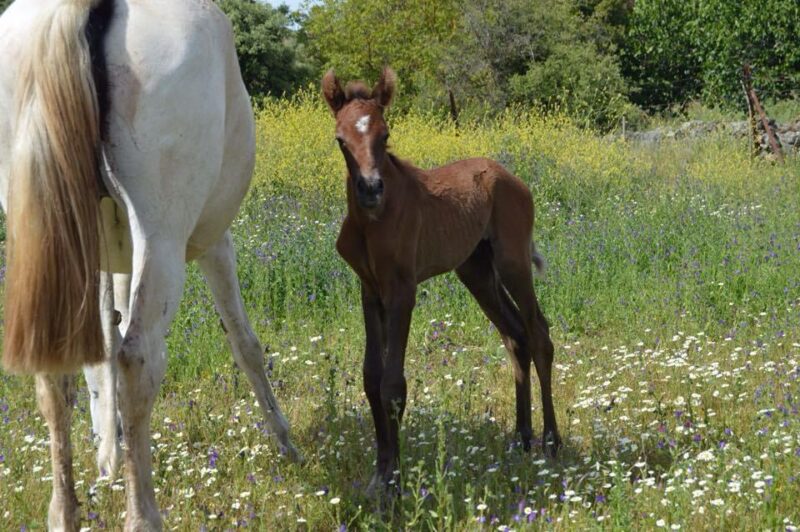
<point x="373" y="371"/>
<point x="393" y="382"/>
<point x="515" y="274"/>
<point x="393" y="398"/>
<point x="543" y="360"/>
<point x="374" y="325"/>
<point x="522" y="382"/>
<point x="479" y="276"/>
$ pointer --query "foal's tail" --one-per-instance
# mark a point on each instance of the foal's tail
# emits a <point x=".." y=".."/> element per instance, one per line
<point x="538" y="261"/>
<point x="52" y="314"/>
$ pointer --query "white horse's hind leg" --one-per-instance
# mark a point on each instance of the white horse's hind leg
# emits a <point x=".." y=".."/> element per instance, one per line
<point x="56" y="395"/>
<point x="219" y="266"/>
<point x="155" y="295"/>
<point x="102" y="378"/>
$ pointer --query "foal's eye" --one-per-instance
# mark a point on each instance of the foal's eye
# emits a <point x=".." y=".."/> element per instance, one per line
<point x="385" y="138"/>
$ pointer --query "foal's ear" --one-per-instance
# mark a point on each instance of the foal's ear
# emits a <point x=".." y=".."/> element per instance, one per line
<point x="384" y="89"/>
<point x="332" y="90"/>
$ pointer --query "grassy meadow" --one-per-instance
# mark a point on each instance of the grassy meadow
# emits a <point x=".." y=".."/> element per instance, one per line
<point x="673" y="292"/>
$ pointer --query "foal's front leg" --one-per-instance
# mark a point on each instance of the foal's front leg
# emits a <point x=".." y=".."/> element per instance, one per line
<point x="375" y="326"/>
<point x="399" y="303"/>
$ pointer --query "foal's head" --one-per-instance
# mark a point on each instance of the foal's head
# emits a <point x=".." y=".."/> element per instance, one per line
<point x="361" y="131"/>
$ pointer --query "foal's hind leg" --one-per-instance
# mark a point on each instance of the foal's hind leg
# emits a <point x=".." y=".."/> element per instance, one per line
<point x="219" y="266"/>
<point x="512" y="260"/>
<point x="478" y="275"/>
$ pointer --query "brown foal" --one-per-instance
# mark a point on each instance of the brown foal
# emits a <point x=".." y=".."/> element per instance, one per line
<point x="405" y="225"/>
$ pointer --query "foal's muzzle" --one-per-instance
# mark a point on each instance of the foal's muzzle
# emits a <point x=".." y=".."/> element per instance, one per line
<point x="369" y="192"/>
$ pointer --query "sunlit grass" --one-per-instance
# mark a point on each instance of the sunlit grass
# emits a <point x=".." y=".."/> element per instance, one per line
<point x="673" y="290"/>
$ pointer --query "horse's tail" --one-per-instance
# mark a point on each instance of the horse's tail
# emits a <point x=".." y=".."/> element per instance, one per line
<point x="52" y="314"/>
<point x="538" y="261"/>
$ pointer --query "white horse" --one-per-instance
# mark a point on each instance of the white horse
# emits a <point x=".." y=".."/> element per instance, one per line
<point x="141" y="101"/>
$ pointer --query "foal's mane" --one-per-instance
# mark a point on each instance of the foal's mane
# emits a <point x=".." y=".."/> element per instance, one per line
<point x="357" y="90"/>
<point x="405" y="167"/>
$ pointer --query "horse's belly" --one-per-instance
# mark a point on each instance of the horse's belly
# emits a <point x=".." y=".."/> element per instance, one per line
<point x="116" y="247"/>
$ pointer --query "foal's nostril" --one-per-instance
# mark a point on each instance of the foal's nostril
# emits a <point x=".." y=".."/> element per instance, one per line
<point x="369" y="188"/>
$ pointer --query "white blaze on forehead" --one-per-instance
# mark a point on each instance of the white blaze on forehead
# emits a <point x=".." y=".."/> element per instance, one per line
<point x="362" y="124"/>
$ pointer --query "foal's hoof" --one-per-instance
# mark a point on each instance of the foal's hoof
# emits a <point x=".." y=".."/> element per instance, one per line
<point x="291" y="453"/>
<point x="382" y="490"/>
<point x="376" y="487"/>
<point x="525" y="439"/>
<point x="551" y="444"/>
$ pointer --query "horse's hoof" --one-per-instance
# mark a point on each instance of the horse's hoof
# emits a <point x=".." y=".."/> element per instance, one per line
<point x="109" y="457"/>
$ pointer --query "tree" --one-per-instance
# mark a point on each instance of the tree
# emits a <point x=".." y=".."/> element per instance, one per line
<point x="578" y="81"/>
<point x="479" y="54"/>
<point x="764" y="34"/>
<point x="4" y="4"/>
<point x="660" y="57"/>
<point x="271" y="58"/>
<point x="548" y="53"/>
<point x="359" y="37"/>
<point x="677" y="50"/>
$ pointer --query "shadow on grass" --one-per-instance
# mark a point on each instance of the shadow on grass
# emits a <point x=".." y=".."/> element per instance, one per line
<point x="453" y="464"/>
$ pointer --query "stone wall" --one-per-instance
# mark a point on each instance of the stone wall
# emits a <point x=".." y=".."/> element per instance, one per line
<point x="788" y="135"/>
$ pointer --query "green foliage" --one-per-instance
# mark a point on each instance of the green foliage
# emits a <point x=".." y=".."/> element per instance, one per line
<point x="578" y="81"/>
<point x="605" y="21"/>
<point x="660" y="57"/>
<point x="484" y="53"/>
<point x="270" y="56"/>
<point x="499" y="40"/>
<point x="4" y="4"/>
<point x="552" y="54"/>
<point x="764" y="34"/>
<point x="359" y="37"/>
<point x="677" y="50"/>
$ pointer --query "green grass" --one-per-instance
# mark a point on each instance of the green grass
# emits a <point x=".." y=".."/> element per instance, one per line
<point x="673" y="289"/>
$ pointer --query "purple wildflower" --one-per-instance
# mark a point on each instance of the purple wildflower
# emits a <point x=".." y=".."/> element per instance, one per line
<point x="213" y="456"/>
